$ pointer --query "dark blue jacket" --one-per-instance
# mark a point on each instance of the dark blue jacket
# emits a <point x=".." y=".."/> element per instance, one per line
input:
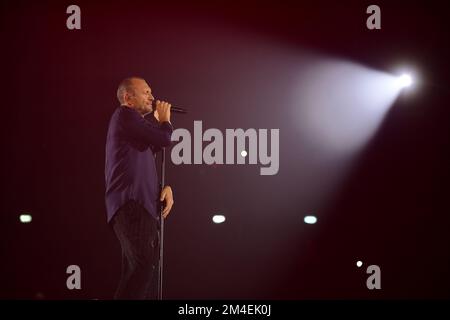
<point x="130" y="168"/>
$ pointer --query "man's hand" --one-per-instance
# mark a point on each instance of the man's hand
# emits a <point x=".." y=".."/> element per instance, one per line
<point x="155" y="114"/>
<point x="167" y="195"/>
<point x="162" y="111"/>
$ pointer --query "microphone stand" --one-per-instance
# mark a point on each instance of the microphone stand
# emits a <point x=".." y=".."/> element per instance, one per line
<point x="161" y="208"/>
<point x="161" y="219"/>
<point x="149" y="117"/>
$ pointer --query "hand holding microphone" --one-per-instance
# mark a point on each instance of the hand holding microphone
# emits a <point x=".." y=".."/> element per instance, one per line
<point x="171" y="109"/>
<point x="162" y="111"/>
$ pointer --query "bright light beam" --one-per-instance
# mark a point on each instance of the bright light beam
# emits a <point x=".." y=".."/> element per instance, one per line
<point x="405" y="80"/>
<point x="342" y="104"/>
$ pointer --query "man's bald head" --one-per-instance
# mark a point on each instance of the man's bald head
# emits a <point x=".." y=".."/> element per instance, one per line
<point x="127" y="86"/>
<point x="134" y="92"/>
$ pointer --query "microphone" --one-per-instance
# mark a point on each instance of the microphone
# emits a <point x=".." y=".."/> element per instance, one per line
<point x="174" y="109"/>
<point x="177" y="110"/>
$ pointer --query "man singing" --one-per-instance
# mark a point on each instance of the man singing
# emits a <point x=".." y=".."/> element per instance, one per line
<point x="132" y="185"/>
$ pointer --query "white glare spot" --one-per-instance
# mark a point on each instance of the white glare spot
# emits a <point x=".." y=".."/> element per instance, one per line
<point x="310" y="219"/>
<point x="243" y="153"/>
<point x="218" y="218"/>
<point x="359" y="264"/>
<point x="404" y="80"/>
<point x="25" y="218"/>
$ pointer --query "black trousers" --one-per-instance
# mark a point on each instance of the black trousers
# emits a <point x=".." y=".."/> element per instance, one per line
<point x="138" y="234"/>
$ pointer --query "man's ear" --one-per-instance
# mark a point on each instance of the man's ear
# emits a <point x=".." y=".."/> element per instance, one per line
<point x="126" y="98"/>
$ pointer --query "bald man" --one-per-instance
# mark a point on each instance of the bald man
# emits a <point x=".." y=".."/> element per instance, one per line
<point x="132" y="194"/>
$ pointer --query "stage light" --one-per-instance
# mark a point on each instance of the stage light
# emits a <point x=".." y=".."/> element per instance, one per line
<point x="359" y="264"/>
<point x="243" y="153"/>
<point x="405" y="80"/>
<point x="218" y="218"/>
<point x="342" y="104"/>
<point x="25" y="218"/>
<point x="310" y="219"/>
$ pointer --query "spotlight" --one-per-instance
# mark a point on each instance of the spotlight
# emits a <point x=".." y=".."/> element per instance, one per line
<point x="25" y="218"/>
<point x="310" y="219"/>
<point x="405" y="80"/>
<point x="218" y="218"/>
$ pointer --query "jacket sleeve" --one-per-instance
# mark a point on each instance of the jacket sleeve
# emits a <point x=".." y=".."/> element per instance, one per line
<point x="141" y="130"/>
<point x="153" y="121"/>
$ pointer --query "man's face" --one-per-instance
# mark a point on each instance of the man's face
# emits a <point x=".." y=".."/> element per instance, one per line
<point x="141" y="97"/>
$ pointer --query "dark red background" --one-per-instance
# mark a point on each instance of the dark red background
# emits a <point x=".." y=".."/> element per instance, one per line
<point x="58" y="92"/>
